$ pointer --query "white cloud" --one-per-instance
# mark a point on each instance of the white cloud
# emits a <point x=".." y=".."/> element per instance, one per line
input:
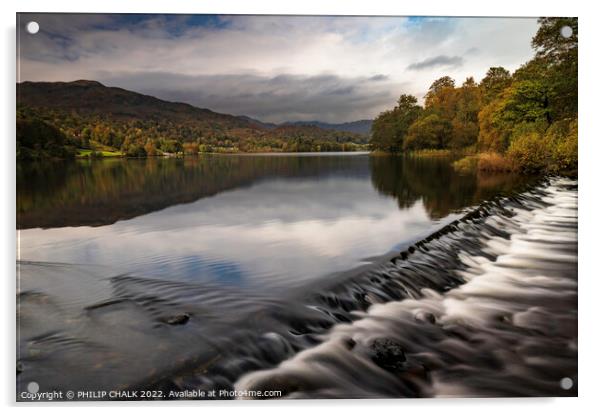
<point x="261" y="48"/>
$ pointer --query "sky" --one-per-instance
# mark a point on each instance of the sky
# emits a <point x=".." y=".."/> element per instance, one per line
<point x="272" y="68"/>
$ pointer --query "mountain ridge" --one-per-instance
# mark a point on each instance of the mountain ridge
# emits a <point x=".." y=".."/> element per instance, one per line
<point x="359" y="126"/>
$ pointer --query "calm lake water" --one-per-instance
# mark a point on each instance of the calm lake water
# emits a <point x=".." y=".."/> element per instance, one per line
<point x="253" y="221"/>
<point x="112" y="251"/>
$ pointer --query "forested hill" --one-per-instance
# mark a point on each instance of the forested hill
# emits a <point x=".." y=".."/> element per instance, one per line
<point x="59" y="119"/>
<point x="360" y="126"/>
<point x="93" y="98"/>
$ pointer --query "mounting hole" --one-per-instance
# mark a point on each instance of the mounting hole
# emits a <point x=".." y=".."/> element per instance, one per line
<point x="566" y="383"/>
<point x="32" y="28"/>
<point x="566" y="31"/>
<point x="33" y="387"/>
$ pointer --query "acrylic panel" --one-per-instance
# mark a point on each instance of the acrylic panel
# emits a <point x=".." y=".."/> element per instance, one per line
<point x="295" y="207"/>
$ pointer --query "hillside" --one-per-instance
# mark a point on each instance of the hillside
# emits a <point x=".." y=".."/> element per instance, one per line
<point x="91" y="97"/>
<point x="99" y="118"/>
<point x="358" y="127"/>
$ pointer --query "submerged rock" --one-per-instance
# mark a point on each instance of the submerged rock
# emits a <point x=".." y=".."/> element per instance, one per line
<point x="426" y="317"/>
<point x="388" y="354"/>
<point x="178" y="319"/>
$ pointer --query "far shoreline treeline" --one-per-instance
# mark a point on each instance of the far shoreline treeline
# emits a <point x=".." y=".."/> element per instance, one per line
<point x="525" y="121"/>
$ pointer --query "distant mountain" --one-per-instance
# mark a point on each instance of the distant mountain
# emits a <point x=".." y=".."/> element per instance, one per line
<point x="86" y="114"/>
<point x="358" y="127"/>
<point x="266" y="125"/>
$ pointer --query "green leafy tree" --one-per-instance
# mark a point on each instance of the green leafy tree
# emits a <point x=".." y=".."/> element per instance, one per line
<point x="526" y="101"/>
<point x="430" y="132"/>
<point x="390" y="128"/>
<point x="495" y="81"/>
<point x="465" y="128"/>
<point x="558" y="55"/>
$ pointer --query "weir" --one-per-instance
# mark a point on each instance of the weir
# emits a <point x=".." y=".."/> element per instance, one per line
<point x="485" y="306"/>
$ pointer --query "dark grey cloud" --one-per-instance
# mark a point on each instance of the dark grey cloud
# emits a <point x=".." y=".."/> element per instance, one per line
<point x="284" y="97"/>
<point x="437" y="61"/>
<point x="379" y="77"/>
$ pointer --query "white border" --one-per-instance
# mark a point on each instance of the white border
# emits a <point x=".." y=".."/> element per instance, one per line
<point x="590" y="139"/>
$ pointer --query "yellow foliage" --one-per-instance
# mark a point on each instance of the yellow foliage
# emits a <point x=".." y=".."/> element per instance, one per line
<point x="532" y="152"/>
<point x="564" y="135"/>
<point x="491" y="136"/>
<point x="495" y="162"/>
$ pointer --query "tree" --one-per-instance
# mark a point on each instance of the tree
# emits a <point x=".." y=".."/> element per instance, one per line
<point x="390" y="128"/>
<point x="39" y="139"/>
<point x="493" y="132"/>
<point x="430" y="132"/>
<point x="558" y="55"/>
<point x="495" y="81"/>
<point x="383" y="135"/>
<point x="190" y="148"/>
<point x="526" y="101"/>
<point x="150" y="148"/>
<point x="444" y="83"/>
<point x="549" y="42"/>
<point x="463" y="134"/>
<point x="442" y="98"/>
<point x="465" y="128"/>
<point x="135" y="150"/>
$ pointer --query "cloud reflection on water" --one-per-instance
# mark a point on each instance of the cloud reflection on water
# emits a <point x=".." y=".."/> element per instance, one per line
<point x="277" y="232"/>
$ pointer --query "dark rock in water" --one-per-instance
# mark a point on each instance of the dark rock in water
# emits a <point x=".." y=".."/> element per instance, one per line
<point x="388" y="354"/>
<point x="425" y="317"/>
<point x="350" y="343"/>
<point x="178" y="319"/>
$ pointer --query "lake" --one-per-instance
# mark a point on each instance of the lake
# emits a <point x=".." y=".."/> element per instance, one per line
<point x="253" y="221"/>
<point x="218" y="262"/>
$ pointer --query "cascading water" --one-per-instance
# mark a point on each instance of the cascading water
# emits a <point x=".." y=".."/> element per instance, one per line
<point x="485" y="307"/>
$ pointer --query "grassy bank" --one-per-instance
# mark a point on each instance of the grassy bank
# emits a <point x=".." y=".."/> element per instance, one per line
<point x="87" y="153"/>
<point x="427" y="153"/>
<point x="485" y="162"/>
<point x="431" y="153"/>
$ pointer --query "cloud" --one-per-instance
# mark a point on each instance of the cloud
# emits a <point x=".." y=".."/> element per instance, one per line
<point x="326" y="97"/>
<point x="379" y="77"/>
<point x="293" y="66"/>
<point x="436" y="61"/>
